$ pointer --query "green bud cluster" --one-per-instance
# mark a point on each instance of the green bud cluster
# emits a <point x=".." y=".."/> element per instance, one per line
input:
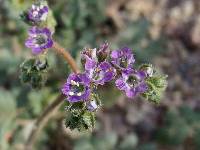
<point x="156" y="85"/>
<point x="34" y="71"/>
<point x="79" y="117"/>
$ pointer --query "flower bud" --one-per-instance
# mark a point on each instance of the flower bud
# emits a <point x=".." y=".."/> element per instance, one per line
<point x="36" y="14"/>
<point x="148" y="69"/>
<point x="91" y="105"/>
<point x="33" y="71"/>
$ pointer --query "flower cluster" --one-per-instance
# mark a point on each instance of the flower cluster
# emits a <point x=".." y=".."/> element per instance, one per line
<point x="40" y="37"/>
<point x="101" y="66"/>
<point x="81" y="87"/>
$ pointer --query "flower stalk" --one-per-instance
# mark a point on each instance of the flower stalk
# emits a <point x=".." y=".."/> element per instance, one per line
<point x="51" y="108"/>
<point x="41" y="121"/>
<point x="60" y="50"/>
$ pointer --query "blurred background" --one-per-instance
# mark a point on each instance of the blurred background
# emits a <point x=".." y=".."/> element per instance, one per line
<point x="163" y="32"/>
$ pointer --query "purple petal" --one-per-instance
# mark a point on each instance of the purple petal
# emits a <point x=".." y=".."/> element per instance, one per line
<point x="86" y="95"/>
<point x="105" y="65"/>
<point x="90" y="64"/>
<point x="49" y="44"/>
<point x="91" y="106"/>
<point x="37" y="51"/>
<point x="46" y="31"/>
<point x="122" y="58"/>
<point x="34" y="30"/>
<point x="131" y="93"/>
<point x="84" y="78"/>
<point x="141" y="75"/>
<point x="114" y="54"/>
<point x="73" y="77"/>
<point x="108" y="76"/>
<point x="126" y="51"/>
<point x="74" y="98"/>
<point x="142" y="87"/>
<point x="120" y="84"/>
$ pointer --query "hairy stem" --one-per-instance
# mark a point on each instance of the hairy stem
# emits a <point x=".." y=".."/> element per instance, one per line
<point x="48" y="111"/>
<point x="60" y="50"/>
<point x="41" y="121"/>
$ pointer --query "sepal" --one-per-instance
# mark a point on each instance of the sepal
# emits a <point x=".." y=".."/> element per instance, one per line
<point x="156" y="86"/>
<point x="82" y="121"/>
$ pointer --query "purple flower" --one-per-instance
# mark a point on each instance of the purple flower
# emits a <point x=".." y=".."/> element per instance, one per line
<point x="77" y="87"/>
<point x="92" y="56"/>
<point x="132" y="82"/>
<point x="91" y="105"/>
<point x="100" y="73"/>
<point x="123" y="58"/>
<point x="98" y="70"/>
<point x="39" y="39"/>
<point x="37" y="13"/>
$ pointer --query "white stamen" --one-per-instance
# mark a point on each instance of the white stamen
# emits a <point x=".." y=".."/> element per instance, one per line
<point x="77" y="84"/>
<point x="150" y="71"/>
<point x="73" y="82"/>
<point x="37" y="45"/>
<point x="34" y="35"/>
<point x="35" y="13"/>
<point x="33" y="6"/>
<point x="71" y="93"/>
<point x="94" y="53"/>
<point x="79" y="94"/>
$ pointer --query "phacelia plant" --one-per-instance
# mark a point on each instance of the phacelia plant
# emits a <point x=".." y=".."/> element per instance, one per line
<point x="101" y="65"/>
